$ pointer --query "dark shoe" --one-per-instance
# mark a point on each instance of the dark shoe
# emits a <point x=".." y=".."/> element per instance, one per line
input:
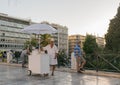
<point x="46" y="75"/>
<point x="81" y="69"/>
<point x="79" y="72"/>
<point x="52" y="74"/>
<point x="24" y="67"/>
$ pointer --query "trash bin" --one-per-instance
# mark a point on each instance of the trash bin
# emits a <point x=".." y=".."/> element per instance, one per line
<point x="73" y="61"/>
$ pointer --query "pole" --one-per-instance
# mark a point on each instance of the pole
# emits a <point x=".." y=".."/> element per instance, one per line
<point x="97" y="64"/>
<point x="39" y="42"/>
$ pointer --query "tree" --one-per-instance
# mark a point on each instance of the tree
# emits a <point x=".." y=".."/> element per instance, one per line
<point x="63" y="60"/>
<point x="28" y="44"/>
<point x="113" y="34"/>
<point x="90" y="45"/>
<point x="45" y="39"/>
<point x="34" y="42"/>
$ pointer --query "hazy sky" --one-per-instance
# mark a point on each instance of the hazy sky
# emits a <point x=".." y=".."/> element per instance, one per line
<point x="80" y="16"/>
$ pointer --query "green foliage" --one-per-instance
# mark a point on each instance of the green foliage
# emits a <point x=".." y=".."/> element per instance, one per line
<point x="101" y="49"/>
<point x="26" y="44"/>
<point x="63" y="60"/>
<point x="113" y="34"/>
<point x="31" y="43"/>
<point x="101" y="64"/>
<point x="45" y="39"/>
<point x="90" y="45"/>
<point x="34" y="42"/>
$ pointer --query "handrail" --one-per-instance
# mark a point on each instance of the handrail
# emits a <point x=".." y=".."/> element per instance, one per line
<point x="99" y="62"/>
<point x="109" y="63"/>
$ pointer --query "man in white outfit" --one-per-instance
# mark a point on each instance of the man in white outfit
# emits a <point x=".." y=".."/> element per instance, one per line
<point x="52" y="51"/>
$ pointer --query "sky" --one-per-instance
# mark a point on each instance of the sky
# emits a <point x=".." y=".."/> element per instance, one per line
<point x="80" y="16"/>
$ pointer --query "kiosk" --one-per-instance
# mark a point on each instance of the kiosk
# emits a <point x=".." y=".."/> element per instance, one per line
<point x="38" y="63"/>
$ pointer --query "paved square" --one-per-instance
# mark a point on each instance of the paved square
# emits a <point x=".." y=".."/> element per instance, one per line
<point x="10" y="75"/>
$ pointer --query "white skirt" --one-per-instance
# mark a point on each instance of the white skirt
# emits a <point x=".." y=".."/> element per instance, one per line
<point x="53" y="61"/>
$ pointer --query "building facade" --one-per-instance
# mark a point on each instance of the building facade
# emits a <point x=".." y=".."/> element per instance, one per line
<point x="61" y="37"/>
<point x="11" y="37"/>
<point x="73" y="39"/>
<point x="100" y="41"/>
<point x="81" y="39"/>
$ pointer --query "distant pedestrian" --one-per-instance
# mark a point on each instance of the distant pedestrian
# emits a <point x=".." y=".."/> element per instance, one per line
<point x="24" y="56"/>
<point x="77" y="54"/>
<point x="4" y="56"/>
<point x="10" y="56"/>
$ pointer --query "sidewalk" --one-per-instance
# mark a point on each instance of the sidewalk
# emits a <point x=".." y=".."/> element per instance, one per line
<point x="15" y="75"/>
<point x="92" y="72"/>
<point x="88" y="72"/>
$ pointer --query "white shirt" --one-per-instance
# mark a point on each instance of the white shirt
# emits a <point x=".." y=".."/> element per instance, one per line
<point x="51" y="52"/>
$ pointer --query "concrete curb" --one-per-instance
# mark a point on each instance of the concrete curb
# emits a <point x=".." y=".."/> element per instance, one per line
<point x="8" y="64"/>
<point x="92" y="72"/>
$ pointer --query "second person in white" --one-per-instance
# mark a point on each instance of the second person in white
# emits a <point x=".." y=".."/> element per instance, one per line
<point x="52" y="51"/>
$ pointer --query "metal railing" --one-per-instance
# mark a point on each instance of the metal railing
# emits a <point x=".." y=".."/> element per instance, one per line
<point x="103" y="62"/>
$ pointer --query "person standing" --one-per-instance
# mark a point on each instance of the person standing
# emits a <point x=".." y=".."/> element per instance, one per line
<point x="77" y="54"/>
<point x="24" y="56"/>
<point x="4" y="56"/>
<point x="52" y="52"/>
<point x="10" y="56"/>
<point x="82" y="61"/>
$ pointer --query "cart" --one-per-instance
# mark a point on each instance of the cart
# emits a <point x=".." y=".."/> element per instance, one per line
<point x="38" y="63"/>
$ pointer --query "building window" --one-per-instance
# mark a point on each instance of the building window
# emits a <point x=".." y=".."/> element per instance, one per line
<point x="0" y="45"/>
<point x="5" y="46"/>
<point x="3" y="34"/>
